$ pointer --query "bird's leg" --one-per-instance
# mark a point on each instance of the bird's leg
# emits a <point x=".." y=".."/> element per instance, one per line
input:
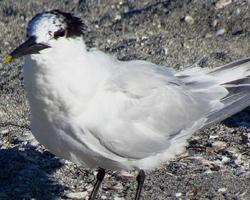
<point x="140" y="180"/>
<point x="100" y="176"/>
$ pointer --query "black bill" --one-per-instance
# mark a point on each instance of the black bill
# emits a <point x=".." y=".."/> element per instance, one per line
<point x="28" y="47"/>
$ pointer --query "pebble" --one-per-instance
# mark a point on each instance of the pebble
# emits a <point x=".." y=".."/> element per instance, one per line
<point x="189" y="19"/>
<point x="206" y="162"/>
<point x="233" y="151"/>
<point x="222" y="190"/>
<point x="185" y="154"/>
<point x="6" y="43"/>
<point x="5" y="131"/>
<point x="89" y="188"/>
<point x="222" y="3"/>
<point x="208" y="171"/>
<point x="76" y="195"/>
<point x="213" y="136"/>
<point x="126" y="174"/>
<point x="239" y="160"/>
<point x="220" y="32"/>
<point x="118" y="186"/>
<point x="119" y="198"/>
<point x="225" y="159"/>
<point x="208" y="35"/>
<point x="179" y="194"/>
<point x="118" y="17"/>
<point x="219" y="145"/>
<point x="215" y="23"/>
<point x="199" y="158"/>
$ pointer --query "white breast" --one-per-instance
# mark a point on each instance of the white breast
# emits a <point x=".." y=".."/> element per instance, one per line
<point x="58" y="92"/>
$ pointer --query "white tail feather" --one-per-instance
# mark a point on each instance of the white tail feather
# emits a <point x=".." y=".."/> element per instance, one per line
<point x="225" y="88"/>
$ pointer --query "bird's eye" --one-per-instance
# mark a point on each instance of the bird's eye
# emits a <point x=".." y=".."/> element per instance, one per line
<point x="59" y="33"/>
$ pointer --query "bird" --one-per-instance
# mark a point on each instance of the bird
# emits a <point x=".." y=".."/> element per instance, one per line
<point x="104" y="113"/>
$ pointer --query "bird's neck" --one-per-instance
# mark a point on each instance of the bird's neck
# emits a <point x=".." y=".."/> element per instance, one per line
<point x="62" y="52"/>
<point x="54" y="75"/>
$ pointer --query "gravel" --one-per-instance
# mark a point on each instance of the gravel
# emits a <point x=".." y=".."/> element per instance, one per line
<point x="172" y="33"/>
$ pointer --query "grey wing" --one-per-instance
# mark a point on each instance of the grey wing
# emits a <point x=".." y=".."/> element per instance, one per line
<point x="149" y="107"/>
<point x="154" y="110"/>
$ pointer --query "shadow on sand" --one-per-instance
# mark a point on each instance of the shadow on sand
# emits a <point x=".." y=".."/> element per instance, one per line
<point x="240" y="119"/>
<point x="27" y="174"/>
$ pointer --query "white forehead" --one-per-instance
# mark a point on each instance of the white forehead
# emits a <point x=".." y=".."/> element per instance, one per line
<point x="44" y="25"/>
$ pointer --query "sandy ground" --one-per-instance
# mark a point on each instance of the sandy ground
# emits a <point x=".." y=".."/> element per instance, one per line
<point x="172" y="33"/>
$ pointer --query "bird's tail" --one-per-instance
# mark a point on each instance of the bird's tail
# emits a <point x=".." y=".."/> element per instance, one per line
<point x="235" y="78"/>
<point x="223" y="91"/>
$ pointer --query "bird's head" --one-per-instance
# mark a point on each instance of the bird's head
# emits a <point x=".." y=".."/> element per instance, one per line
<point x="46" y="28"/>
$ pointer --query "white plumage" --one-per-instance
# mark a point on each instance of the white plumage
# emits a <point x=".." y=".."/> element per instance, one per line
<point x="96" y="111"/>
<point x="99" y="112"/>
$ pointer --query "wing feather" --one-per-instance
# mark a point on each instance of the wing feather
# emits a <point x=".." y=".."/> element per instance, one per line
<point x="148" y="106"/>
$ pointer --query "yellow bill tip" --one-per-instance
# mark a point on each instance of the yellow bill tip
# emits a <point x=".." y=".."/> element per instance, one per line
<point x="7" y="59"/>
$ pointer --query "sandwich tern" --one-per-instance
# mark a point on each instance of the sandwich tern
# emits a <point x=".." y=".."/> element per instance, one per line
<point x="100" y="112"/>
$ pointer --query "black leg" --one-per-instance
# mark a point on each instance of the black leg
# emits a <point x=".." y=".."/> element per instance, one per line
<point x="100" y="176"/>
<point x="140" y="180"/>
